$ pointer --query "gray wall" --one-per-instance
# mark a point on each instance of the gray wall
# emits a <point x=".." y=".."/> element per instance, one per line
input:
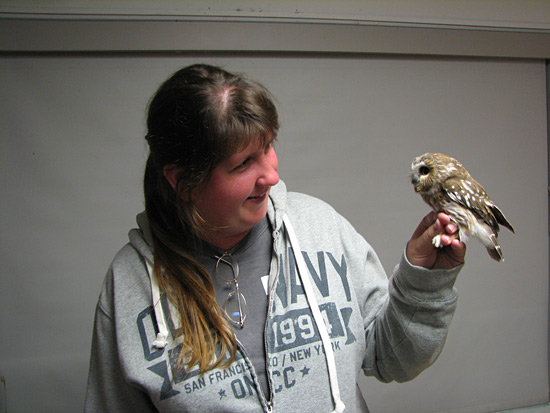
<point x="73" y="152"/>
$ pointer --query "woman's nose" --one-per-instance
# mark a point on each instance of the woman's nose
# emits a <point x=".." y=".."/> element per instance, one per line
<point x="270" y="164"/>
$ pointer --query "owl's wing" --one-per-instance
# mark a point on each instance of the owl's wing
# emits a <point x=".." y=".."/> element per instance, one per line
<point x="471" y="195"/>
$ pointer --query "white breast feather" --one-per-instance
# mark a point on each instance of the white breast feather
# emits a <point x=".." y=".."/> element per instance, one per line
<point x="469" y="225"/>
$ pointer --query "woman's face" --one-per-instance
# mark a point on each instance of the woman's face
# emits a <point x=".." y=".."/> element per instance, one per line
<point x="235" y="197"/>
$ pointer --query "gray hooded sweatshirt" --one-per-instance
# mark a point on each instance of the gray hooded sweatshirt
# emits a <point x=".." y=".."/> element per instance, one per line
<point x="332" y="315"/>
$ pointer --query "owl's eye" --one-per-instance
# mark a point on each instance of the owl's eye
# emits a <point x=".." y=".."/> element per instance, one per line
<point x="424" y="170"/>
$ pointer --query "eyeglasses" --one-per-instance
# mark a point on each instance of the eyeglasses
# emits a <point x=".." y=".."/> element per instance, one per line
<point x="235" y="307"/>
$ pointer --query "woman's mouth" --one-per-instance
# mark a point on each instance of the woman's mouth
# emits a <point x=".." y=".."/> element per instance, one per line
<point x="257" y="198"/>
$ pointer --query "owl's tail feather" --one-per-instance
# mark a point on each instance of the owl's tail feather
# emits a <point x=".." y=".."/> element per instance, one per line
<point x="501" y="219"/>
<point x="494" y="250"/>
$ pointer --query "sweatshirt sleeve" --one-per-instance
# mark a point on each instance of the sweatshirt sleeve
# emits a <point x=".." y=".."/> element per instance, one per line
<point x="108" y="390"/>
<point x="408" y="333"/>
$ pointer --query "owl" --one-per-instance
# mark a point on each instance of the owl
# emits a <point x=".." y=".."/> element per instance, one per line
<point x="447" y="186"/>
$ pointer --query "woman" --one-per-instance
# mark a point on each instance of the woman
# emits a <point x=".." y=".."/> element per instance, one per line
<point x="236" y="295"/>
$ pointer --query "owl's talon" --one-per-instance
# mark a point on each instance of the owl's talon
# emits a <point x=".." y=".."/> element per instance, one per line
<point x="436" y="241"/>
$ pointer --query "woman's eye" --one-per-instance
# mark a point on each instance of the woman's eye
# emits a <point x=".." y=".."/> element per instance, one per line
<point x="244" y="163"/>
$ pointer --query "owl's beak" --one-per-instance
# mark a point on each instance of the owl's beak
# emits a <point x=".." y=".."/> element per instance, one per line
<point x="415" y="181"/>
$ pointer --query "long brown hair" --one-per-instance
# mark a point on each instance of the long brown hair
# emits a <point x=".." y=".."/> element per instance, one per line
<point x="198" y="117"/>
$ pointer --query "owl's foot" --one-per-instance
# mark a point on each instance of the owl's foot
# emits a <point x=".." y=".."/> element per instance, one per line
<point x="436" y="241"/>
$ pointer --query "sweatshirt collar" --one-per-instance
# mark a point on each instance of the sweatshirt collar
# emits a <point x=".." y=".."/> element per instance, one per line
<point x="276" y="209"/>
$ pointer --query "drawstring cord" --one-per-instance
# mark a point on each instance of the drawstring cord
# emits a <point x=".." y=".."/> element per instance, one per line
<point x="317" y="316"/>
<point x="162" y="336"/>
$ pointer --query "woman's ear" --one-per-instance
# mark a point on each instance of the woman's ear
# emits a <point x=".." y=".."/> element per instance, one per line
<point x="171" y="172"/>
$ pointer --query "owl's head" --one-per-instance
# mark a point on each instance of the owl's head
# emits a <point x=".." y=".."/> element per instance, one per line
<point x="430" y="170"/>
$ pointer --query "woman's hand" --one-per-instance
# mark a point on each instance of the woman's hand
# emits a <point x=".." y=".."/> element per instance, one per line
<point x="420" y="250"/>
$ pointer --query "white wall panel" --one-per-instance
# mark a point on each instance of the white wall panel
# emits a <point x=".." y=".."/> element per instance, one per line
<point x="72" y="159"/>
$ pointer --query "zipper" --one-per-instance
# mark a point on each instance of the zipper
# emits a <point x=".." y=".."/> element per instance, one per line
<point x="268" y="403"/>
<point x="271" y="289"/>
<point x="261" y="394"/>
